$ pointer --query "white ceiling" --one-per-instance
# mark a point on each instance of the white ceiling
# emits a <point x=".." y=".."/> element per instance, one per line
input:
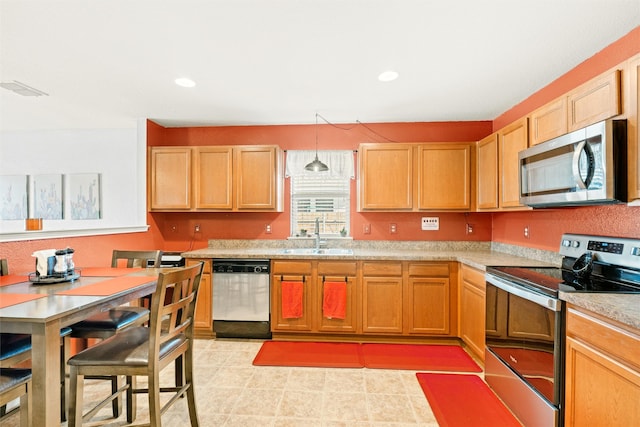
<point x="106" y="63"/>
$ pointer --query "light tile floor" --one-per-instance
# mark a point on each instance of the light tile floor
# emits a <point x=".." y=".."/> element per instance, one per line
<point x="230" y="391"/>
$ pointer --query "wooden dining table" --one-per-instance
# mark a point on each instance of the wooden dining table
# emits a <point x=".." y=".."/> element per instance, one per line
<point x="42" y="309"/>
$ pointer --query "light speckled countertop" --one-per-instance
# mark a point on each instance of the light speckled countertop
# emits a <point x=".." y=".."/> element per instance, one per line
<point x="622" y="308"/>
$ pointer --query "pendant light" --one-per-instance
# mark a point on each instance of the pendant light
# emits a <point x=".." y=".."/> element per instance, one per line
<point x="316" y="165"/>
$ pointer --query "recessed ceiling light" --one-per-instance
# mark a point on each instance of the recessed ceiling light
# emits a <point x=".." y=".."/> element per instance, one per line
<point x="388" y="76"/>
<point x="185" y="82"/>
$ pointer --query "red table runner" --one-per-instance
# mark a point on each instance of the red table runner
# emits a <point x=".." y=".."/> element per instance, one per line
<point x="12" y="279"/>
<point x="12" y="299"/>
<point x="109" y="287"/>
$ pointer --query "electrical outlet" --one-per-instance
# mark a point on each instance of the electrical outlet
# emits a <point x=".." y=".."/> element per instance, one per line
<point x="469" y="229"/>
<point x="196" y="229"/>
<point x="393" y="229"/>
<point x="527" y="235"/>
<point x="267" y="228"/>
<point x="366" y="228"/>
<point x="431" y="223"/>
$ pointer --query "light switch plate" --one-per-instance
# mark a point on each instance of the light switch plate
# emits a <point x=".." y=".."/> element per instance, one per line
<point x="430" y="223"/>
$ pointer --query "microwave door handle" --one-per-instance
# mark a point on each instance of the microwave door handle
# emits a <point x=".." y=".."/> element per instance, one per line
<point x="575" y="166"/>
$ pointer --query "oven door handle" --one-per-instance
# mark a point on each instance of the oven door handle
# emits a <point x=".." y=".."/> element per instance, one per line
<point x="512" y="288"/>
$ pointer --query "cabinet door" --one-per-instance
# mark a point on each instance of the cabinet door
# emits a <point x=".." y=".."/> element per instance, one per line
<point x="487" y="181"/>
<point x="333" y="324"/>
<point x="633" y="126"/>
<point x="472" y="310"/>
<point x="548" y="121"/>
<point x="292" y="271"/>
<point x="594" y="101"/>
<point x="382" y="305"/>
<point x="427" y="307"/>
<point x="203" y="317"/>
<point x="512" y="139"/>
<point x="444" y="176"/>
<point x="385" y="177"/>
<point x="170" y="178"/>
<point x="601" y="391"/>
<point x="256" y="178"/>
<point x="213" y="178"/>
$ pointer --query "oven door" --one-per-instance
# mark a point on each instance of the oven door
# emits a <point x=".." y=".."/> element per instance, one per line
<point x="524" y="347"/>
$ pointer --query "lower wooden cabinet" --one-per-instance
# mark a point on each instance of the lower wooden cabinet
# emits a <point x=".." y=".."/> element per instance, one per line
<point x="383" y="298"/>
<point x="602" y="372"/>
<point x="292" y="271"/>
<point x="203" y="317"/>
<point x="472" y="309"/>
<point x="427" y="299"/>
<point x="337" y="271"/>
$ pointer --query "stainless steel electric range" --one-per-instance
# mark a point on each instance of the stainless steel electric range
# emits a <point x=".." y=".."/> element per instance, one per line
<point x="524" y="360"/>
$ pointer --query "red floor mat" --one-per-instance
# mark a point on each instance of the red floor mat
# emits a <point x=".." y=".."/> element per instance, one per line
<point x="464" y="400"/>
<point x="418" y="357"/>
<point x="309" y="354"/>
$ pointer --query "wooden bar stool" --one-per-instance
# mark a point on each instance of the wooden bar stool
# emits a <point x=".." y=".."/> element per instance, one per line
<point x="16" y="383"/>
<point x="145" y="351"/>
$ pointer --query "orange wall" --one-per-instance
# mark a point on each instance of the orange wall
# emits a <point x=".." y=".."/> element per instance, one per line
<point x="89" y="251"/>
<point x="252" y="225"/>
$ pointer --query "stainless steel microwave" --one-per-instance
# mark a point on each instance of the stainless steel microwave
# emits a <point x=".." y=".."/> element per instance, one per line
<point x="584" y="167"/>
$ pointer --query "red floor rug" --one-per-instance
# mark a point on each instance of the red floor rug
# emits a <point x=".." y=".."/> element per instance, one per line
<point x="464" y="400"/>
<point x="309" y="354"/>
<point x="449" y="358"/>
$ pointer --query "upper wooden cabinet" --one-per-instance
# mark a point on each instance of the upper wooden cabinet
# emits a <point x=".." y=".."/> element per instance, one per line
<point x="596" y="100"/>
<point x="385" y="177"/>
<point x="444" y="176"/>
<point x="632" y="109"/>
<point x="511" y="140"/>
<point x="413" y="177"/>
<point x="216" y="178"/>
<point x="487" y="171"/>
<point x="548" y="121"/>
<point x="170" y="178"/>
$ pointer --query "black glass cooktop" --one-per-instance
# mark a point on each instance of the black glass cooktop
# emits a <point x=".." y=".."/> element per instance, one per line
<point x="550" y="280"/>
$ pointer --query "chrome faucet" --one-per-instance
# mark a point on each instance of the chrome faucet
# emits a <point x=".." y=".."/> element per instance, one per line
<point x="317" y="232"/>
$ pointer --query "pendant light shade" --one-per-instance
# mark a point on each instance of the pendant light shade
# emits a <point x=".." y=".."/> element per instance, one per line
<point x="316" y="165"/>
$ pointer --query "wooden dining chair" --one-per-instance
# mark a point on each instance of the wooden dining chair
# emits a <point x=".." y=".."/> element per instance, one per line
<point x="16" y="349"/>
<point x="146" y="351"/>
<point x="106" y="324"/>
<point x="16" y="383"/>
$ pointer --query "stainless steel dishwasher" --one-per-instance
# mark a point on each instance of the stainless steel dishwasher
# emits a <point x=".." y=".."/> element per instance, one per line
<point x="241" y="303"/>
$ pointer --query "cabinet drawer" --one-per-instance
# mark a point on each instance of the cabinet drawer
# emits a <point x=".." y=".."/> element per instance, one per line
<point x="339" y="268"/>
<point x="291" y="267"/>
<point x="617" y="342"/>
<point x="429" y="269"/>
<point x="382" y="269"/>
<point x="474" y="277"/>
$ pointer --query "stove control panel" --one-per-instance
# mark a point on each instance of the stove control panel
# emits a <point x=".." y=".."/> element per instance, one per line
<point x="613" y="250"/>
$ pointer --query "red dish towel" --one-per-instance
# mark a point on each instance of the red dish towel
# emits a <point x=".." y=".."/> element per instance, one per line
<point x="334" y="301"/>
<point x="292" y="300"/>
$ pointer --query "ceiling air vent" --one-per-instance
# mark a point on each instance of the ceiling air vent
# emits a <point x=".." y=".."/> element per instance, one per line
<point x="22" y="89"/>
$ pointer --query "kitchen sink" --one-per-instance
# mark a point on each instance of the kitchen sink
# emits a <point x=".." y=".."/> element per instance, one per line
<point x="314" y="251"/>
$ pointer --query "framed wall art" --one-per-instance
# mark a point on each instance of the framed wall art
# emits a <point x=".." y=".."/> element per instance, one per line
<point x="13" y="197"/>
<point x="84" y="196"/>
<point x="47" y="196"/>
